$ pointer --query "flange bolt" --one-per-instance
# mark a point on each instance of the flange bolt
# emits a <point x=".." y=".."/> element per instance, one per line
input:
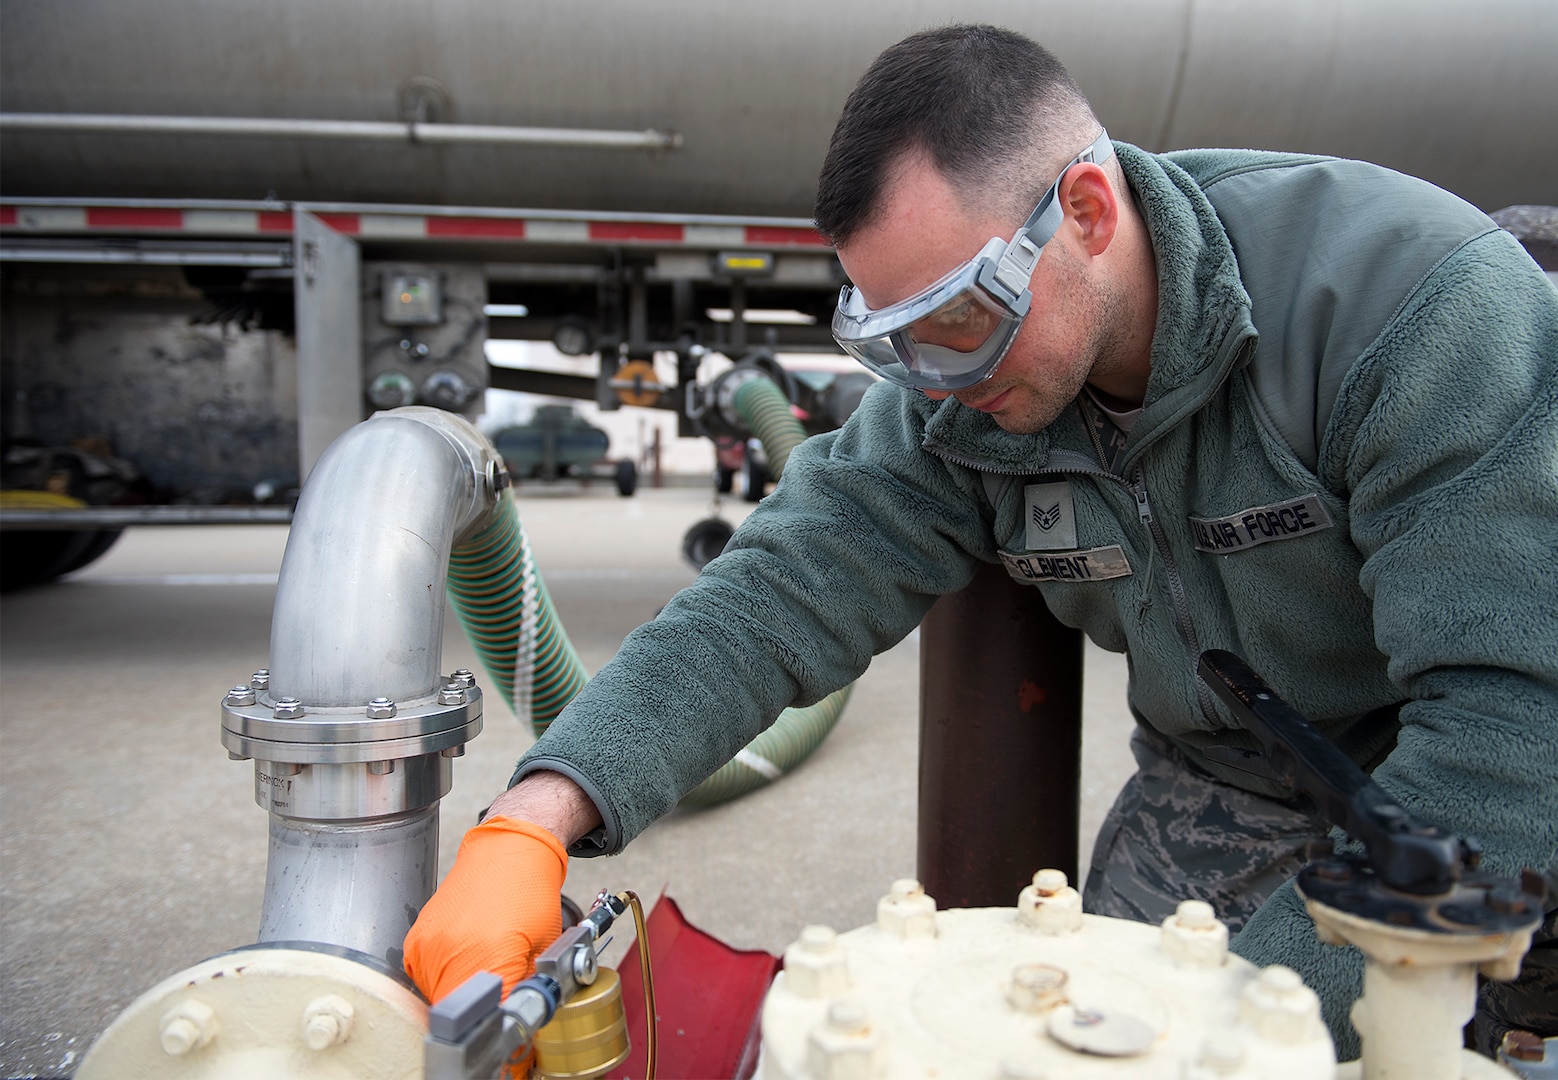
<point x="187" y="1026"/>
<point x="239" y="695"/>
<point x="260" y="680"/>
<point x="327" y="1022"/>
<point x="381" y="708"/>
<point x="452" y="694"/>
<point x="814" y="965"/>
<point x="289" y="708"/>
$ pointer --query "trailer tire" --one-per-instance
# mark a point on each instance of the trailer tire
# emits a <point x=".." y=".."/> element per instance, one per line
<point x="627" y="478"/>
<point x="30" y="557"/>
<point x="704" y="542"/>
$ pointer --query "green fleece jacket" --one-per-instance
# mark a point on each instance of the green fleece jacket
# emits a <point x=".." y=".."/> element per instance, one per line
<point x="1345" y="471"/>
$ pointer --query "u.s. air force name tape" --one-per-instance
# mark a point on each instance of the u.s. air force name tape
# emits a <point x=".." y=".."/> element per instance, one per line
<point x="1094" y="564"/>
<point x="1260" y="525"/>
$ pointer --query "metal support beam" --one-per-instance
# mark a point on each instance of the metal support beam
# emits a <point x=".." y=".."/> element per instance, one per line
<point x="1000" y="742"/>
<point x="327" y="288"/>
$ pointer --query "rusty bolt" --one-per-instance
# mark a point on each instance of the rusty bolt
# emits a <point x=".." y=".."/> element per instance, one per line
<point x="845" y="1046"/>
<point x="1037" y="988"/>
<point x="906" y="912"/>
<point x="1050" y="905"/>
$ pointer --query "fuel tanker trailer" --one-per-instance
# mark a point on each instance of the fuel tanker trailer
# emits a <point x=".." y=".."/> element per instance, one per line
<point x="231" y="230"/>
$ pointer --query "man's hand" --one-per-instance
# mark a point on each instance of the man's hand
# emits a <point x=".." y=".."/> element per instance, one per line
<point x="499" y="906"/>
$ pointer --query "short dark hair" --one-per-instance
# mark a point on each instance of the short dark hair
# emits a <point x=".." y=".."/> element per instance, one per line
<point x="970" y="98"/>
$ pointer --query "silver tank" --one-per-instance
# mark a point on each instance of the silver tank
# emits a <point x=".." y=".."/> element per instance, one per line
<point x="1455" y="91"/>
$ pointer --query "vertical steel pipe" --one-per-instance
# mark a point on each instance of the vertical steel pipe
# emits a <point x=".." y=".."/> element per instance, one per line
<point x="1000" y="742"/>
<point x="352" y="728"/>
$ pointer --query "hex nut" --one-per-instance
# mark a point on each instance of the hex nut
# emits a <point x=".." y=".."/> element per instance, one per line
<point x="463" y="677"/>
<point x="815" y="966"/>
<point x="381" y="768"/>
<point x="1050" y="905"/>
<point x="452" y="694"/>
<point x="381" y="708"/>
<point x="1194" y="936"/>
<point x="260" y="680"/>
<point x="1278" y="1005"/>
<point x="1037" y="988"/>
<point x="289" y="708"/>
<point x="239" y="695"/>
<point x="187" y="1026"/>
<point x="327" y="1022"/>
<point x="906" y="912"/>
<point x="845" y="1046"/>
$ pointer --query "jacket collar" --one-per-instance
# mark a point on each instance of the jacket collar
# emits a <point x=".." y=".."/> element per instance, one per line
<point x="1203" y="326"/>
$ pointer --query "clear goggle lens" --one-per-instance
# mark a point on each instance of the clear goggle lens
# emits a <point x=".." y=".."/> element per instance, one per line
<point x="955" y="345"/>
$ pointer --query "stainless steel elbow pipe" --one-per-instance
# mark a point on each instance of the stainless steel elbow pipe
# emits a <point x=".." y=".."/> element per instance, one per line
<point x="352" y="728"/>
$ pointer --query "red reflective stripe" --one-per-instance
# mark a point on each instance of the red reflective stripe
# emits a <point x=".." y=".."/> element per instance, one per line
<point x="274" y="221"/>
<point x="504" y="228"/>
<point x="114" y="217"/>
<point x="634" y="230"/>
<point x="342" y="223"/>
<point x="784" y="234"/>
<point x="7" y="215"/>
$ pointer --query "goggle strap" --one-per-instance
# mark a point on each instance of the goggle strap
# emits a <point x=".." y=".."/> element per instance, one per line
<point x="1022" y="254"/>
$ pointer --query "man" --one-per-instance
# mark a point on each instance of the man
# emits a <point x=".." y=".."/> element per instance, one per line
<point x="1302" y="409"/>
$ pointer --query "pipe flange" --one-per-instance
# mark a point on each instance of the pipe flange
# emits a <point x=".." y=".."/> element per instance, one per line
<point x="311" y="753"/>
<point x="243" y="1013"/>
<point x="268" y="718"/>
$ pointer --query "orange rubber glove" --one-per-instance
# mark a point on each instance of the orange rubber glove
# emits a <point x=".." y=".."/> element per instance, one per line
<point x="497" y="910"/>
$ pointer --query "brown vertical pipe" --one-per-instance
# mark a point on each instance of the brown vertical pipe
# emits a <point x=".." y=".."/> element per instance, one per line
<point x="1000" y="742"/>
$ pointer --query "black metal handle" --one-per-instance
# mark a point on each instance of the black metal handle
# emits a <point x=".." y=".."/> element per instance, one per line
<point x="1406" y="853"/>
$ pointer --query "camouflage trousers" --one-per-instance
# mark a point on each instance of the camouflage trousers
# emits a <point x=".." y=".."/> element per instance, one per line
<point x="1176" y="833"/>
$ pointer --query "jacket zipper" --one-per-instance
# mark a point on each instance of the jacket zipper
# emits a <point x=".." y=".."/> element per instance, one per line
<point x="1178" y="600"/>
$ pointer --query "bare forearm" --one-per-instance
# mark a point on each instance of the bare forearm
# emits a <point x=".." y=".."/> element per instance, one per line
<point x="552" y="801"/>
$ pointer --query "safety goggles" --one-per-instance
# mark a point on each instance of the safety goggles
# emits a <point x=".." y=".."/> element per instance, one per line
<point x="956" y="332"/>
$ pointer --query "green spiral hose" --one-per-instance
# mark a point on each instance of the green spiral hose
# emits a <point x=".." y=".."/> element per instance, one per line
<point x="503" y="605"/>
<point x="775" y="752"/>
<point x="767" y="413"/>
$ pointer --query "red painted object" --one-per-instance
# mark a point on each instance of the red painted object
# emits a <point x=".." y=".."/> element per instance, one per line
<point x="707" y="994"/>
